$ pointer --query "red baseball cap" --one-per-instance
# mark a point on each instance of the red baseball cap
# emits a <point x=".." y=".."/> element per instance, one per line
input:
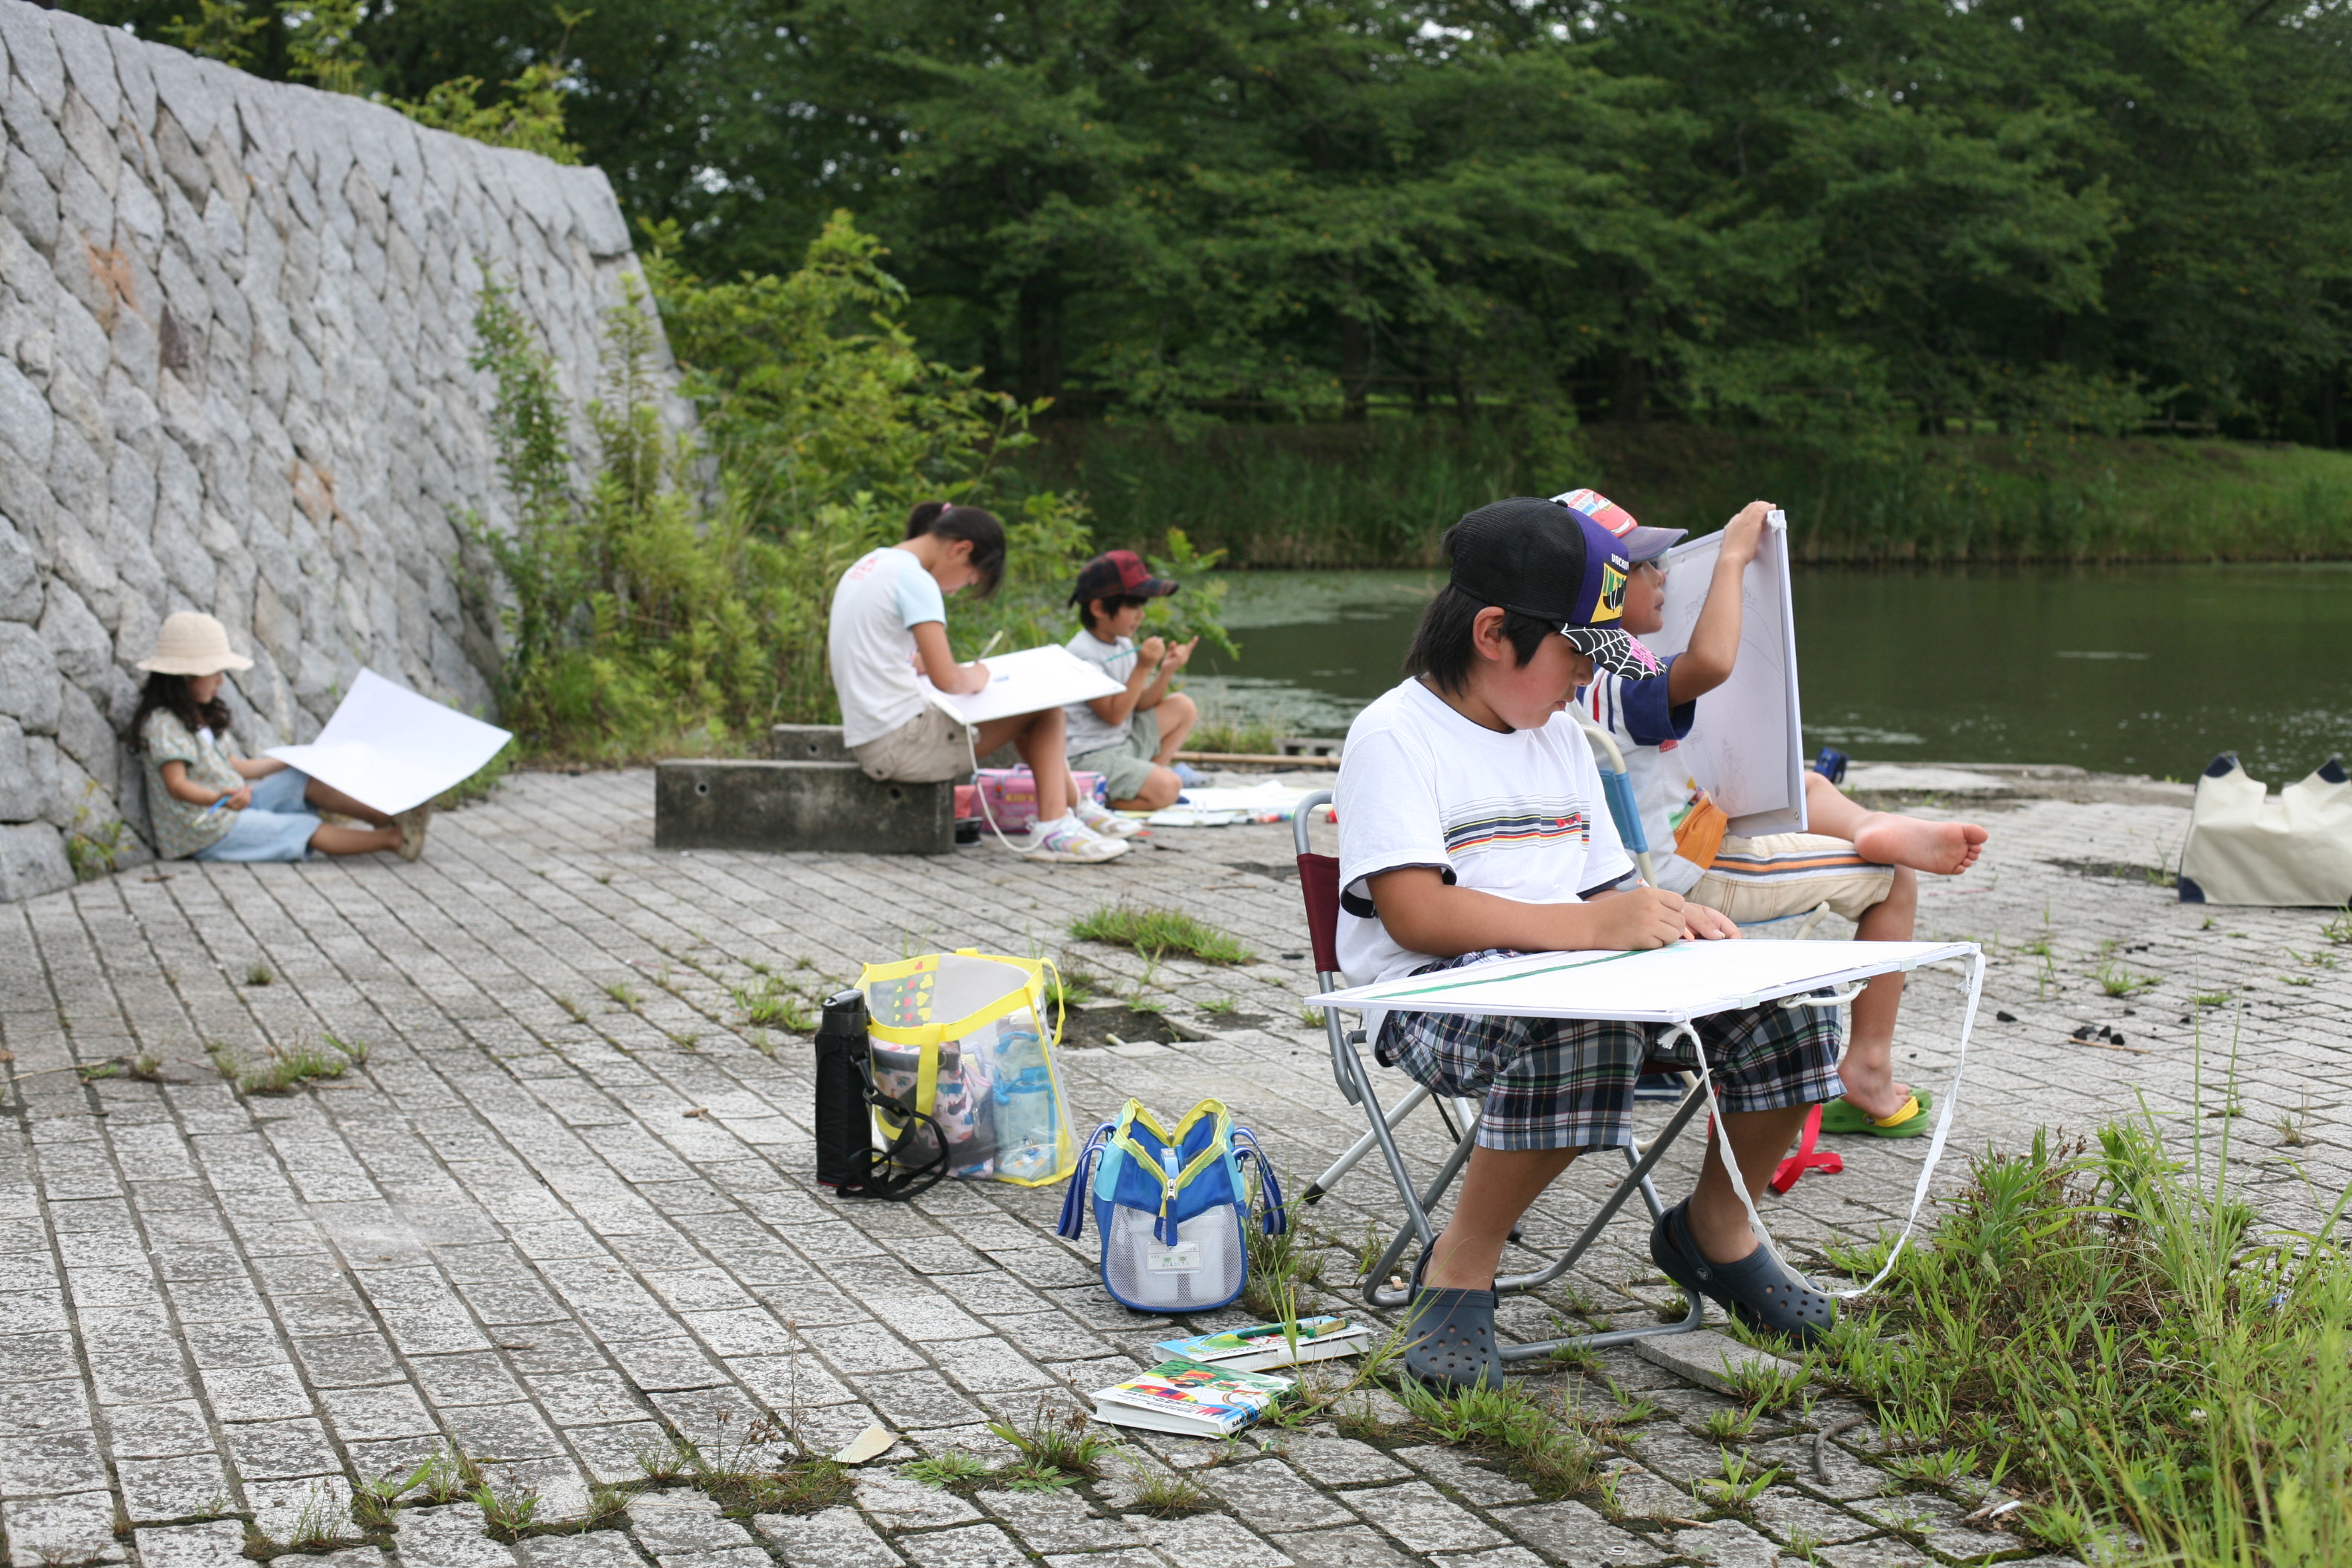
<point x="1117" y="574"/>
<point x="1638" y="542"/>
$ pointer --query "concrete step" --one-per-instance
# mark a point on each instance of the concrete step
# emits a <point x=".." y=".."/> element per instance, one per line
<point x="756" y="803"/>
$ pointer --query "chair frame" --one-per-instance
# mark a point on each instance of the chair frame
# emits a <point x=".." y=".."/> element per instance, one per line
<point x="1354" y="1080"/>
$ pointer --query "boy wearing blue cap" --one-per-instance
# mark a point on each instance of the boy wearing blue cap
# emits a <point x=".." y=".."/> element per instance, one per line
<point x="1472" y="826"/>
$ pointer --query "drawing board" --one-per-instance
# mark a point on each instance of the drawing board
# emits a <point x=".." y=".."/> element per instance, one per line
<point x="389" y="748"/>
<point x="1029" y="681"/>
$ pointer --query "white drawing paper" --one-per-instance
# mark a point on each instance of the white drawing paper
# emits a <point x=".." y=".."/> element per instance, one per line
<point x="1029" y="681"/>
<point x="1662" y="985"/>
<point x="389" y="748"/>
<point x="1748" y="748"/>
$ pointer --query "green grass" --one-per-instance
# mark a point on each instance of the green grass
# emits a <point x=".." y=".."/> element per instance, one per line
<point x="955" y="1468"/>
<point x="1242" y="737"/>
<point x="1163" y="1494"/>
<point x="1056" y="1450"/>
<point x="1379" y="493"/>
<point x="282" y="1070"/>
<point x="774" y="1005"/>
<point x="1160" y="932"/>
<point x="1532" y="1437"/>
<point x="2103" y="1328"/>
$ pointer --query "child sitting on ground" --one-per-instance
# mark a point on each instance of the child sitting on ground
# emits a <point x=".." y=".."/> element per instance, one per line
<point x="888" y="629"/>
<point x="205" y="799"/>
<point x="1130" y="739"/>
<point x="1472" y="826"/>
<point x="1863" y="864"/>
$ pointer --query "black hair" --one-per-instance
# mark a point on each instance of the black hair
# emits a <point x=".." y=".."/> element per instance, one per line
<point x="170" y="693"/>
<point x="975" y="527"/>
<point x="1442" y="645"/>
<point x="1117" y="602"/>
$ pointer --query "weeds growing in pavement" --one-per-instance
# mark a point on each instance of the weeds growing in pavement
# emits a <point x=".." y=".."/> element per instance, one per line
<point x="507" y="1516"/>
<point x="1310" y="1016"/>
<point x="774" y="1005"/>
<point x="1051" y="1445"/>
<point x="283" y="1070"/>
<point x="258" y="974"/>
<point x="1729" y="1426"/>
<point x="1534" y="1438"/>
<point x="2117" y="980"/>
<point x="450" y="1475"/>
<point x="1280" y="1266"/>
<point x="2101" y="1323"/>
<point x="954" y="1468"/>
<point x="1737" y="1489"/>
<point x="1163" y="1494"/>
<point x="1767" y="1389"/>
<point x="621" y="992"/>
<point x="578" y="1014"/>
<point x="2340" y="930"/>
<point x="1222" y="1007"/>
<point x="1159" y="932"/>
<point x="146" y="1066"/>
<point x="1937" y="1467"/>
<point x="374" y="1502"/>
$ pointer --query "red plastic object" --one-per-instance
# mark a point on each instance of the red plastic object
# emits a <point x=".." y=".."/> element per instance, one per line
<point x="1806" y="1157"/>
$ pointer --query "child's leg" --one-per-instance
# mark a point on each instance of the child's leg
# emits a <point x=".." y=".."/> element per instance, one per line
<point x="1040" y="739"/>
<point x="1718" y="1222"/>
<point x="1178" y="715"/>
<point x="1868" y="1069"/>
<point x="332" y="840"/>
<point x="327" y="797"/>
<point x="1496" y="1188"/>
<point x="1884" y="838"/>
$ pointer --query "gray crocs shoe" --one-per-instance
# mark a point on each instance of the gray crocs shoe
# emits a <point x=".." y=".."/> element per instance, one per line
<point x="1451" y="1345"/>
<point x="1758" y="1289"/>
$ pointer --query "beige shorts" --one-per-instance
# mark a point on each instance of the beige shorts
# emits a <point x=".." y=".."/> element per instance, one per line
<point x="927" y="748"/>
<point x="1785" y="874"/>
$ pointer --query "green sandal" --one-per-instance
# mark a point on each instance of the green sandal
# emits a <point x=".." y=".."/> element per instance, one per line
<point x="1843" y="1115"/>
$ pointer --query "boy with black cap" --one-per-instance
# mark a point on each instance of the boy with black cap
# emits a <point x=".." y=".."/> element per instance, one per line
<point x="1861" y="863"/>
<point x="1132" y="738"/>
<point x="1472" y="826"/>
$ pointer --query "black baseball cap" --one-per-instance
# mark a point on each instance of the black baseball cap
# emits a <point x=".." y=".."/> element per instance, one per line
<point x="1545" y="559"/>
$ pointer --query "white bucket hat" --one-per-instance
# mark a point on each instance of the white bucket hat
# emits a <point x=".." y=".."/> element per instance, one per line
<point x="193" y="643"/>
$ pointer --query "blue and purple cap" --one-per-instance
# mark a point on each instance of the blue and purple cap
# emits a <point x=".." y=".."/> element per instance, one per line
<point x="1547" y="559"/>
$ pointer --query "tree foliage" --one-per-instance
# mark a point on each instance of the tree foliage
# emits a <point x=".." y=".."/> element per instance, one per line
<point x="1843" y="217"/>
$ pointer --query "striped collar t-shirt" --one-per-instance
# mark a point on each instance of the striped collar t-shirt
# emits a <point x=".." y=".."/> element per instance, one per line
<point x="1519" y="815"/>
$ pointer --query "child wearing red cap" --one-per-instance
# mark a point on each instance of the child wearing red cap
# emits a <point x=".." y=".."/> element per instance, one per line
<point x="1130" y="739"/>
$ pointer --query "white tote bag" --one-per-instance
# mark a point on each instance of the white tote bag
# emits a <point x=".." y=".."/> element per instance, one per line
<point x="2248" y="847"/>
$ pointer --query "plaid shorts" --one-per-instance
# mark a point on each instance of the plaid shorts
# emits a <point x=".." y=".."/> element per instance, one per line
<point x="1567" y="1083"/>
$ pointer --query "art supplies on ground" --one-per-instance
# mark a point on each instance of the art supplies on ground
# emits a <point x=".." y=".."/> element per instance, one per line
<point x="1272" y="1344"/>
<point x="1029" y="681"/>
<point x="1746" y="751"/>
<point x="1190" y="1398"/>
<point x="1224" y="808"/>
<point x="389" y="748"/>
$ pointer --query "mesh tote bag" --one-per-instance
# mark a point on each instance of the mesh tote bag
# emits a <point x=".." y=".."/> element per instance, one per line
<point x="963" y="1038"/>
<point x="1171" y="1207"/>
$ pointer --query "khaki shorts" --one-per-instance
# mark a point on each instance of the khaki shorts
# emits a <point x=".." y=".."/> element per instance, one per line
<point x="930" y="747"/>
<point x="1785" y="874"/>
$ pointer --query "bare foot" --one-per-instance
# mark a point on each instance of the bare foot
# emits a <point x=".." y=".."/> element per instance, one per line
<point x="1870" y="1086"/>
<point x="1943" y="849"/>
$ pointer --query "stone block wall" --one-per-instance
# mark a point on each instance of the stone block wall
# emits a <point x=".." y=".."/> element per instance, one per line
<point x="234" y="320"/>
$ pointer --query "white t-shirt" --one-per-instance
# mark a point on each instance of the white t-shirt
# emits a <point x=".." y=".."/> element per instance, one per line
<point x="1650" y="730"/>
<point x="1086" y="729"/>
<point x="1519" y="815"/>
<point x="875" y="608"/>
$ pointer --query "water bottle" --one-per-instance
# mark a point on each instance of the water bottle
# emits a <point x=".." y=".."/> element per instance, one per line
<point x="1025" y="1134"/>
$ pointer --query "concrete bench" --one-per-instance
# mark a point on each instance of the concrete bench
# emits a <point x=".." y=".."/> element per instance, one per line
<point x="754" y="804"/>
<point x="822" y="744"/>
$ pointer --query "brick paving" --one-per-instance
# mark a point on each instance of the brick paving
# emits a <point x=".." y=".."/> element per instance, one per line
<point x="563" y="1215"/>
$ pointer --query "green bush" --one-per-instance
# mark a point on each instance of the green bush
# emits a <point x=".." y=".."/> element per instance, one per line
<point x="678" y="600"/>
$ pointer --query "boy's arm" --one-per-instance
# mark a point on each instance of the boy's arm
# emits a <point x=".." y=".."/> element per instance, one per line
<point x="1715" y="640"/>
<point x="1425" y="914"/>
<point x="1114" y="710"/>
<point x="1179" y="654"/>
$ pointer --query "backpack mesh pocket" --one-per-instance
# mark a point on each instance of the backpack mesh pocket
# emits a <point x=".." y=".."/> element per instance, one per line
<point x="1129" y="1246"/>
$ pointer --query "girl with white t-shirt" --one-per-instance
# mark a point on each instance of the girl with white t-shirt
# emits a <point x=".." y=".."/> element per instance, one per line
<point x="889" y="630"/>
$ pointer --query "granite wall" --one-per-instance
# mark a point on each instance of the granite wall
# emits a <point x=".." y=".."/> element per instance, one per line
<point x="235" y="318"/>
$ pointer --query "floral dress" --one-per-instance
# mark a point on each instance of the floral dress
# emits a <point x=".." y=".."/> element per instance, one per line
<point x="182" y="829"/>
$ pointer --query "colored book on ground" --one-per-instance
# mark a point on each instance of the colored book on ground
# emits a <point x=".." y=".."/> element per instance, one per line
<point x="1266" y="1344"/>
<point x="1190" y="1398"/>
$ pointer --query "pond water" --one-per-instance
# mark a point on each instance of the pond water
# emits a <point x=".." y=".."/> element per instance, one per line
<point x="2148" y="669"/>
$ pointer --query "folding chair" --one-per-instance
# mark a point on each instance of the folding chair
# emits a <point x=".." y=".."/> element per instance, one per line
<point x="1319" y="881"/>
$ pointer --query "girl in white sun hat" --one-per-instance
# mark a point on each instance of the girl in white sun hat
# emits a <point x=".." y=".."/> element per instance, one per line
<point x="208" y="802"/>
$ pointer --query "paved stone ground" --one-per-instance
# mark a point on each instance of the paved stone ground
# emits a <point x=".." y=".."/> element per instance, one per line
<point x="562" y="1213"/>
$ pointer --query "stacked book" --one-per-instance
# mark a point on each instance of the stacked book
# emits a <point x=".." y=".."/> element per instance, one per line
<point x="1209" y="1386"/>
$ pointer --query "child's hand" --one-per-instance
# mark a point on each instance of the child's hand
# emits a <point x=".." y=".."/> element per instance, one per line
<point x="237" y="799"/>
<point x="1639" y="918"/>
<point x="1151" y="651"/>
<point x="1703" y="924"/>
<point x="1743" y="534"/>
<point x="1180" y="655"/>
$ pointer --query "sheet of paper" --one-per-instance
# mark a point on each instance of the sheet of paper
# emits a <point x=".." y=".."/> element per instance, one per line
<point x="1748" y="747"/>
<point x="1029" y="681"/>
<point x="392" y="749"/>
<point x="1663" y="986"/>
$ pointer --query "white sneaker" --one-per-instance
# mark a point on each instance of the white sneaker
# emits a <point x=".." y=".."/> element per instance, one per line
<point x="1103" y="820"/>
<point x="1070" y="839"/>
